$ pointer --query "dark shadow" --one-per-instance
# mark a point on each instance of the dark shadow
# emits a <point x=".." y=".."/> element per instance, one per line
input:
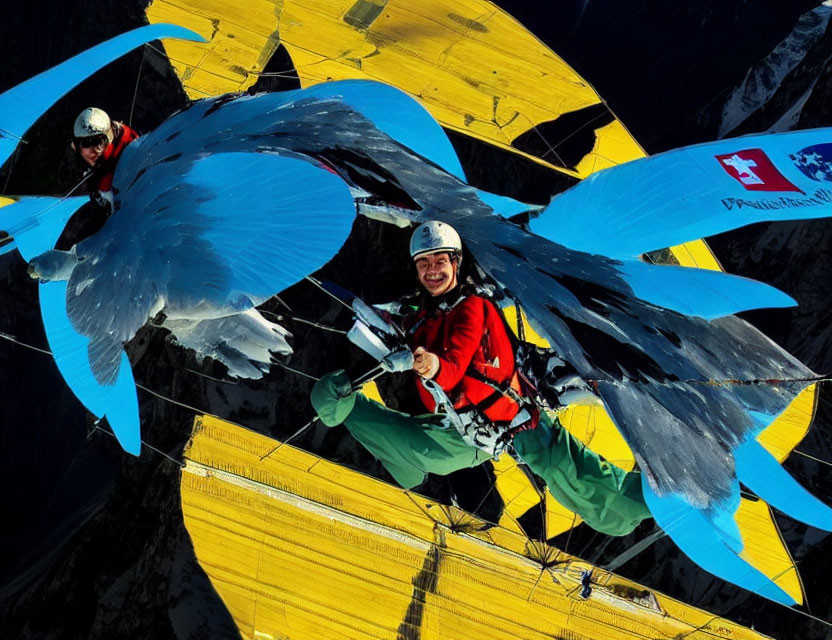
<point x="565" y="141"/>
<point x="279" y="74"/>
<point x="424" y="584"/>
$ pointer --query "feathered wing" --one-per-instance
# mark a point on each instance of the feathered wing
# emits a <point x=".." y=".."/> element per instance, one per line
<point x="243" y="342"/>
<point x="208" y="238"/>
<point x="653" y="367"/>
<point x="109" y="297"/>
<point x="221" y="207"/>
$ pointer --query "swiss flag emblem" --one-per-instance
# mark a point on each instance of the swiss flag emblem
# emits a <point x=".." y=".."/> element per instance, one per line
<point x="754" y="171"/>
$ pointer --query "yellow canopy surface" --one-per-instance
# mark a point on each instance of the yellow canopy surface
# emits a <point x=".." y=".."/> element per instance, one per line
<point x="298" y="547"/>
<point x="474" y="67"/>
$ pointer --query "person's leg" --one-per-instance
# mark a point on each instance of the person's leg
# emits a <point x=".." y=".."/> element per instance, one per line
<point x="608" y="498"/>
<point x="408" y="446"/>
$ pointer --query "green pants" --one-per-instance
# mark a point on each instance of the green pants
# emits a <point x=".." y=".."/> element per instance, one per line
<point x="608" y="498"/>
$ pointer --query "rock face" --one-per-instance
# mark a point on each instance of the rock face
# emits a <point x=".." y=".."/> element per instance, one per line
<point x="800" y="55"/>
<point x="94" y="542"/>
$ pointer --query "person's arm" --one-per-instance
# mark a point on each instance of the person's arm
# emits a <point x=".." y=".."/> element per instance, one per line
<point x="465" y="337"/>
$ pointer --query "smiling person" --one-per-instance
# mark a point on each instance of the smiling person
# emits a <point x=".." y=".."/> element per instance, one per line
<point x="464" y="366"/>
<point x="458" y="338"/>
<point x="99" y="142"/>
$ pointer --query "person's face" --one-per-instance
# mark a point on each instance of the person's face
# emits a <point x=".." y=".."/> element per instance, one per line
<point x="437" y="273"/>
<point x="92" y="148"/>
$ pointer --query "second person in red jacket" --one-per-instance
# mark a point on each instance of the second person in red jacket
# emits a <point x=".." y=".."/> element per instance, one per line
<point x="100" y="142"/>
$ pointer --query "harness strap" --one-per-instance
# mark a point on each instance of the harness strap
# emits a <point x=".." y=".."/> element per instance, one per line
<point x="500" y="389"/>
<point x="486" y="403"/>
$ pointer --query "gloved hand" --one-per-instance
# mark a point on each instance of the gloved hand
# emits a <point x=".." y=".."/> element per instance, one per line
<point x="333" y="398"/>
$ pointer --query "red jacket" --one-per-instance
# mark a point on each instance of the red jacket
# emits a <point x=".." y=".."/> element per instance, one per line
<point x="469" y="335"/>
<point x="102" y="179"/>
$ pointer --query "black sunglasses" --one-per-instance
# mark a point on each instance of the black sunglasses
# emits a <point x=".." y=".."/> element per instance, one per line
<point x="91" y="141"/>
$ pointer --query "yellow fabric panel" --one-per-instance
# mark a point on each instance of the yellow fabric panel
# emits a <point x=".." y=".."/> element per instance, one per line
<point x="790" y="427"/>
<point x="592" y="426"/>
<point x="312" y="562"/>
<point x="292" y="563"/>
<point x="474" y="67"/>
<point x="239" y="45"/>
<point x="371" y="391"/>
<point x="696" y="253"/>
<point x="519" y="496"/>
<point x="532" y="336"/>
<point x="613" y="142"/>
<point x="237" y="451"/>
<point x="516" y="491"/>
<point x="559" y="519"/>
<point x="764" y="547"/>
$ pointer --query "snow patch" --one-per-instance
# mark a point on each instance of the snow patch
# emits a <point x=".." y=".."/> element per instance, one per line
<point x="788" y="120"/>
<point x="764" y="79"/>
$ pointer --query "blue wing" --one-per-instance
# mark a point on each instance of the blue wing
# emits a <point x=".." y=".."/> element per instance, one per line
<point x="35" y="223"/>
<point x="699" y="292"/>
<point x="117" y="402"/>
<point x="28" y="101"/>
<point x="210" y="237"/>
<point x="690" y="193"/>
<point x="762" y="473"/>
<point x="713" y="548"/>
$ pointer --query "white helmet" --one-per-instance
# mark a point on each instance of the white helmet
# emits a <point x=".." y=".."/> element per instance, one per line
<point x="93" y="121"/>
<point x="435" y="237"/>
